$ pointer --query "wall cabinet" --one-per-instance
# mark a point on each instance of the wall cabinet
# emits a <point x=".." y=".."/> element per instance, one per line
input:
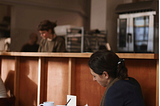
<point x="94" y="41"/>
<point x="75" y="39"/>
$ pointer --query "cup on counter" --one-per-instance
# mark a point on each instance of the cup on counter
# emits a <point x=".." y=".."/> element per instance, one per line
<point x="47" y="104"/>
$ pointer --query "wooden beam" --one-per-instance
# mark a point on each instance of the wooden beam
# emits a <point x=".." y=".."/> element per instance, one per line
<point x="80" y="55"/>
<point x="71" y="76"/>
<point x="41" y="86"/>
<point x="16" y="80"/>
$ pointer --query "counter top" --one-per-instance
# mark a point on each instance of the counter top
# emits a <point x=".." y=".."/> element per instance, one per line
<point x="80" y="55"/>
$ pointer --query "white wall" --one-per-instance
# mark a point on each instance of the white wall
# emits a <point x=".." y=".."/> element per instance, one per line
<point x="128" y="1"/>
<point x="98" y="14"/>
<point x="103" y="17"/>
<point x="111" y="23"/>
<point x="27" y="14"/>
<point x="3" y="11"/>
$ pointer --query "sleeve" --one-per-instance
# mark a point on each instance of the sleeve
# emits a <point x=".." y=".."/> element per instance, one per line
<point x="23" y="49"/>
<point x="39" y="49"/>
<point x="114" y="98"/>
<point x="3" y="93"/>
<point x="40" y="46"/>
<point x="61" y="46"/>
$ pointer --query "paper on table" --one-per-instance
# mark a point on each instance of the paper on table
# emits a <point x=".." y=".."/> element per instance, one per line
<point x="72" y="101"/>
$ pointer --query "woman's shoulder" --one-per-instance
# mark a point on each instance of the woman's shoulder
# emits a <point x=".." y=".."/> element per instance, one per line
<point x="127" y="90"/>
<point x="60" y="38"/>
<point x="129" y="79"/>
<point x="125" y="86"/>
<point x="42" y="40"/>
<point x="121" y="84"/>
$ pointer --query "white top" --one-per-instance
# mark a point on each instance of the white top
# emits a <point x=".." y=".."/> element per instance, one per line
<point x="3" y="93"/>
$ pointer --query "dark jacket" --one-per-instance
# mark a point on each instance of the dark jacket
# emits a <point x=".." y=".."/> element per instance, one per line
<point x="124" y="93"/>
<point x="55" y="45"/>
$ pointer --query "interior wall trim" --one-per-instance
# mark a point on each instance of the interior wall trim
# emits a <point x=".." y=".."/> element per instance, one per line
<point x="62" y="7"/>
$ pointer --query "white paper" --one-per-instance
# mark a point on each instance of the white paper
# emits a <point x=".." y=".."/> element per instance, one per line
<point x="72" y="101"/>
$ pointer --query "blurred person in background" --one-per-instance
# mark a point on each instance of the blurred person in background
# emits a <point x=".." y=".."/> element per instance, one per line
<point x="32" y="45"/>
<point x="50" y="42"/>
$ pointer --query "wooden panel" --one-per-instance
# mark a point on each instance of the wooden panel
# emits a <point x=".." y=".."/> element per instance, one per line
<point x="8" y="73"/>
<point x="138" y="55"/>
<point x="157" y="83"/>
<point x="87" y="91"/>
<point x="145" y="73"/>
<point x="41" y="81"/>
<point x="28" y="81"/>
<point x="16" y="80"/>
<point x="80" y="55"/>
<point x="0" y="64"/>
<point x="90" y="92"/>
<point x="71" y="76"/>
<point x="57" y="75"/>
<point x="57" y="80"/>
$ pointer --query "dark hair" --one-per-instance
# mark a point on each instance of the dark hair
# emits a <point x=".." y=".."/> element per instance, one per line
<point x="46" y="25"/>
<point x="32" y="35"/>
<point x="104" y="60"/>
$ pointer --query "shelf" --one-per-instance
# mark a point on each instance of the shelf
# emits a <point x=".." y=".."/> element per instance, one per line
<point x="75" y="39"/>
<point x="74" y="35"/>
<point x="82" y="55"/>
<point x="93" y="41"/>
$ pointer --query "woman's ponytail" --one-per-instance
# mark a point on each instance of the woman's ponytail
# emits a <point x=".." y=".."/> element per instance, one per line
<point x="122" y="70"/>
<point x="54" y="24"/>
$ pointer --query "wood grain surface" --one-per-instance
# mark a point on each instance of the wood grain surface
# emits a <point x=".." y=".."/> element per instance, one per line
<point x="61" y="75"/>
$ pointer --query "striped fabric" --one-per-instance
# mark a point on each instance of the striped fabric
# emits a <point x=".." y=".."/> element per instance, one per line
<point x="3" y="93"/>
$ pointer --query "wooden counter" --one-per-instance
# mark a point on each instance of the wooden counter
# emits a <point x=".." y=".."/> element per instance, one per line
<point x="38" y="77"/>
<point x="80" y="55"/>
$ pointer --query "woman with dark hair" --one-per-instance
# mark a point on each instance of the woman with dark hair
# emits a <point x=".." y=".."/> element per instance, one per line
<point x="50" y="42"/>
<point x="110" y="72"/>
